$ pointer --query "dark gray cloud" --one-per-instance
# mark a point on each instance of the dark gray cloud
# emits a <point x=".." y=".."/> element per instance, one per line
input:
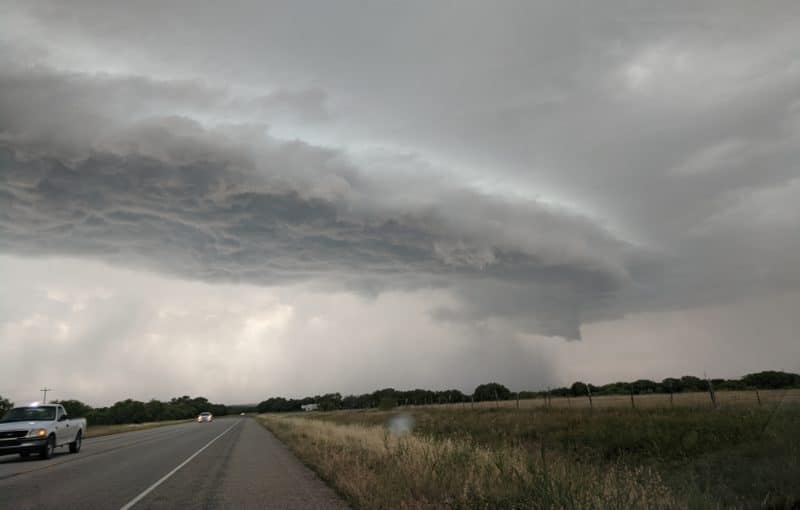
<point x="205" y="220"/>
<point x="551" y="166"/>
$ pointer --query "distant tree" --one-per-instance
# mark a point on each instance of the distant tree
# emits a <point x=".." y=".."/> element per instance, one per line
<point x="376" y="396"/>
<point x="615" y="388"/>
<point x="561" y="392"/>
<point x="133" y="411"/>
<point x="241" y="408"/>
<point x="218" y="409"/>
<point x="280" y="405"/>
<point x="75" y="408"/>
<point x="491" y="391"/>
<point x="422" y="397"/>
<point x="454" y="396"/>
<point x="388" y="397"/>
<point x="671" y="385"/>
<point x="99" y="416"/>
<point x="729" y="384"/>
<point x="5" y="405"/>
<point x="350" y="402"/>
<point x="578" y="389"/>
<point x="329" y="401"/>
<point x="771" y="379"/>
<point x="155" y="410"/>
<point x="128" y="411"/>
<point x="643" y="386"/>
<point x="692" y="383"/>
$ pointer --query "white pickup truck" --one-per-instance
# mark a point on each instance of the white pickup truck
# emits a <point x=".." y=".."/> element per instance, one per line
<point x="40" y="429"/>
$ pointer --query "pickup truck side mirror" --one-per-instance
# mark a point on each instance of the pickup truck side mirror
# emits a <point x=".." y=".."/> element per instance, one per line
<point x="63" y="417"/>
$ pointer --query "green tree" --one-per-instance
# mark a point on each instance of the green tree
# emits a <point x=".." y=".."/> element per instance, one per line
<point x="771" y="379"/>
<point x="492" y="391"/>
<point x="5" y="405"/>
<point x="451" y="396"/>
<point x="671" y="385"/>
<point x="155" y="410"/>
<point x="75" y="408"/>
<point x="330" y="401"/>
<point x="128" y="411"/>
<point x="692" y="383"/>
<point x="643" y="386"/>
<point x="579" y="389"/>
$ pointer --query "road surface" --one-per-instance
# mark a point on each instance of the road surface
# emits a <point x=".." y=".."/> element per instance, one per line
<point x="228" y="463"/>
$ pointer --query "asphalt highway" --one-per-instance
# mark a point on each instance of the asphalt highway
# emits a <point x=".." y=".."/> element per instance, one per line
<point x="228" y="463"/>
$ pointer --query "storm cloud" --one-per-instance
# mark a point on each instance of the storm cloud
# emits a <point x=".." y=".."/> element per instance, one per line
<point x="547" y="167"/>
<point x="167" y="193"/>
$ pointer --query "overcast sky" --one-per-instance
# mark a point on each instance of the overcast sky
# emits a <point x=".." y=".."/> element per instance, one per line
<point x="250" y="199"/>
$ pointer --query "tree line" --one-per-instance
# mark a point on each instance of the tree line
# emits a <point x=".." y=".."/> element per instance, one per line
<point x="185" y="407"/>
<point x="388" y="398"/>
<point x="134" y="411"/>
<point x="758" y="381"/>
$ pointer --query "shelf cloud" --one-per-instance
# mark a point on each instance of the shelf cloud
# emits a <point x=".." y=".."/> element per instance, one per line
<point x="547" y="169"/>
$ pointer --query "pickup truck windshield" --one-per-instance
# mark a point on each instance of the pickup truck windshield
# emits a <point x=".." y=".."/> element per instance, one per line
<point x="30" y="414"/>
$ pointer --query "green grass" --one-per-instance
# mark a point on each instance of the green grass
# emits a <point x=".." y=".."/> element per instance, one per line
<point x="107" y="430"/>
<point x="728" y="458"/>
<point x="375" y="470"/>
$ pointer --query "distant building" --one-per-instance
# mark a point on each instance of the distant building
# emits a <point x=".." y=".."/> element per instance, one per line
<point x="309" y="407"/>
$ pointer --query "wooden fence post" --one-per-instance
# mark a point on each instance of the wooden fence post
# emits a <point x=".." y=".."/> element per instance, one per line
<point x="711" y="393"/>
<point x="758" y="397"/>
<point x="633" y="405"/>
<point x="517" y="400"/>
<point x="589" y="392"/>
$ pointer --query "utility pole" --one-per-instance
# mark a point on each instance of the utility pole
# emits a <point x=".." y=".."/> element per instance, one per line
<point x="45" y="390"/>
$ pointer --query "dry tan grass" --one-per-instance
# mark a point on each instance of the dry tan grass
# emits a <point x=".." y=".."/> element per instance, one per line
<point x="650" y="401"/>
<point x="107" y="430"/>
<point x="376" y="470"/>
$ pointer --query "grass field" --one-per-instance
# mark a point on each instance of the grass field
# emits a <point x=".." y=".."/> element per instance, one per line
<point x="107" y="430"/>
<point x="456" y="457"/>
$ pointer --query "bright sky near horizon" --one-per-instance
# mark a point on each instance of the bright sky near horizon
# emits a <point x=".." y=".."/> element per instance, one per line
<point x="292" y="198"/>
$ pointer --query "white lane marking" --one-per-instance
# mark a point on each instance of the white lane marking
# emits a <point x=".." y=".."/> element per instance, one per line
<point x="166" y="477"/>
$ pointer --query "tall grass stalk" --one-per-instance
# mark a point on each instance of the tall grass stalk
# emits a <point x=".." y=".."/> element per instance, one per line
<point x="376" y="470"/>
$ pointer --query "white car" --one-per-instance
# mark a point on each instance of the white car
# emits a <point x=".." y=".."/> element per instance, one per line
<point x="40" y="429"/>
<point x="205" y="417"/>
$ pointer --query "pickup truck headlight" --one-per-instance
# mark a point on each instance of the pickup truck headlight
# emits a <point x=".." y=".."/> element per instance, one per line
<point x="38" y="433"/>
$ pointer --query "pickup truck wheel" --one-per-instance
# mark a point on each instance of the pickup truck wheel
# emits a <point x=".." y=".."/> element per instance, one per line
<point x="75" y="446"/>
<point x="48" y="448"/>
